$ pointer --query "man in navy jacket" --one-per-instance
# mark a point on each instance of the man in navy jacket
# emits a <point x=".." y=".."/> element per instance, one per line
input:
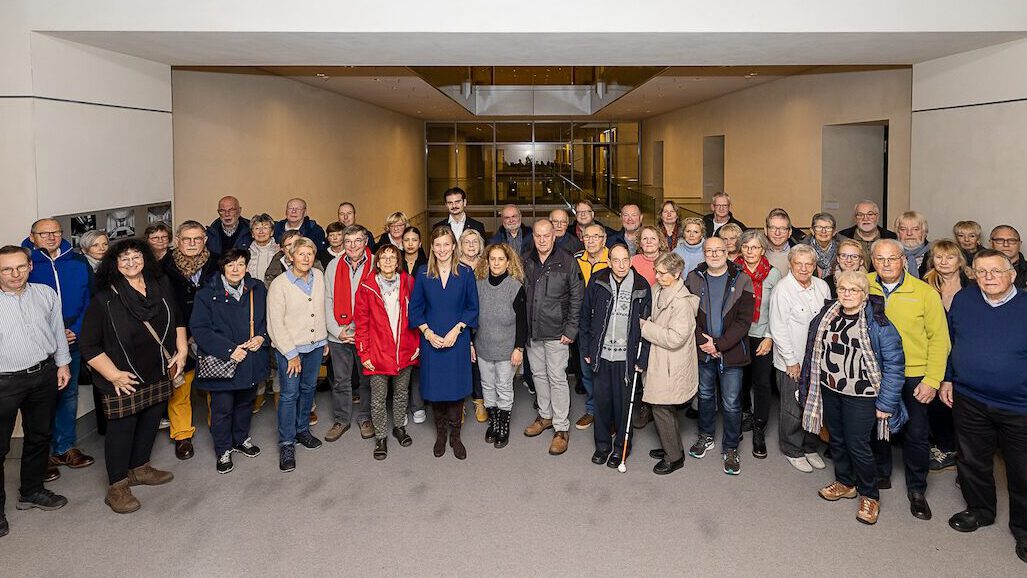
<point x="230" y="230"/>
<point x="296" y="218"/>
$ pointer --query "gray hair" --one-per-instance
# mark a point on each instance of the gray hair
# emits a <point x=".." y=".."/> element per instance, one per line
<point x="672" y="262"/>
<point x="894" y="243"/>
<point x="801" y="249"/>
<point x="754" y="234"/>
<point x="262" y="219"/>
<point x="824" y="217"/>
<point x="187" y="225"/>
<point x="853" y="278"/>
<point x="89" y="238"/>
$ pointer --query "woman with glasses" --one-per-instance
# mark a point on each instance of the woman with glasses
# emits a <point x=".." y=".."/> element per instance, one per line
<point x="158" y="237"/>
<point x="134" y="339"/>
<point x="852" y="376"/>
<point x="850" y="257"/>
<point x="395" y="225"/>
<point x="469" y="251"/>
<point x="825" y="243"/>
<point x="758" y="376"/>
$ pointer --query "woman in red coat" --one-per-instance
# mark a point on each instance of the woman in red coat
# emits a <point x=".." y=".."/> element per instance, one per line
<point x="386" y="344"/>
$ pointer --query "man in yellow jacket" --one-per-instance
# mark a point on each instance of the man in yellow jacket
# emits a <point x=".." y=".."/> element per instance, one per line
<point x="917" y="312"/>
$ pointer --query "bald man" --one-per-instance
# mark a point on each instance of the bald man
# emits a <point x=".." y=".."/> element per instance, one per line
<point x="296" y="219"/>
<point x="230" y="230"/>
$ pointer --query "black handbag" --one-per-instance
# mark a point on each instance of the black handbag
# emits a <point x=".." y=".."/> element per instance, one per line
<point x="215" y="368"/>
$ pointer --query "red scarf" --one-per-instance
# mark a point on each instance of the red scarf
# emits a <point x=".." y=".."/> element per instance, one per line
<point x="758" y="276"/>
<point x="343" y="291"/>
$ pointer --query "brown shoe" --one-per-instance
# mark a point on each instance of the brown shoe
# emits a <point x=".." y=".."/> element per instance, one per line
<point x="184" y="449"/>
<point x="313" y="418"/>
<point x="336" y="432"/>
<point x="559" y="444"/>
<point x="479" y="411"/>
<point x="366" y="429"/>
<point x="147" y="475"/>
<point x="258" y="402"/>
<point x="72" y="458"/>
<point x="869" y="509"/>
<point x="837" y="491"/>
<point x="120" y="498"/>
<point x="585" y="422"/>
<point x="52" y="473"/>
<point x="538" y="426"/>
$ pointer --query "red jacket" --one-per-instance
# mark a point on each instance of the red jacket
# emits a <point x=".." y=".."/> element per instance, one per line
<point x="373" y="335"/>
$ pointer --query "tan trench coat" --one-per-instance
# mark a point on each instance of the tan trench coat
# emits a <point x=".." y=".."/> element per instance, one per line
<point x="673" y="374"/>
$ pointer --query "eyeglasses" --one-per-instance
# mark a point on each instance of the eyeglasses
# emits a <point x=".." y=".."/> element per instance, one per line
<point x="129" y="259"/>
<point x="982" y="273"/>
<point x="592" y="237"/>
<point x="228" y="211"/>
<point x="387" y="257"/>
<point x="717" y="206"/>
<point x="164" y="238"/>
<point x="556" y="222"/>
<point x="662" y="273"/>
<point x="353" y="242"/>
<point x="1005" y="241"/>
<point x="887" y="260"/>
<point x="849" y="290"/>
<point x="823" y="228"/>
<point x="22" y="269"/>
<point x="752" y="247"/>
<point x="714" y="252"/>
<point x="847" y="257"/>
<point x="779" y="229"/>
<point x="192" y="240"/>
<point x="588" y="212"/>
<point x="49" y="234"/>
<point x="866" y="215"/>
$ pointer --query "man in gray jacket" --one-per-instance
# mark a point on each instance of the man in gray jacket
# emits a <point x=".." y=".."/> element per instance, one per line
<point x="554" y="290"/>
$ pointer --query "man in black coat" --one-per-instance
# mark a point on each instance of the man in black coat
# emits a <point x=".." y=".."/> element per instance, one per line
<point x="721" y="215"/>
<point x="456" y="201"/>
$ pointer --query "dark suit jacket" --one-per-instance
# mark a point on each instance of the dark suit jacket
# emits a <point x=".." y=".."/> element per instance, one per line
<point x="468" y="224"/>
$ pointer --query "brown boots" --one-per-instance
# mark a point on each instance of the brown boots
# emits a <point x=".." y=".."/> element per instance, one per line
<point x="438" y="413"/>
<point x="120" y="498"/>
<point x="147" y="475"/>
<point x="455" y="414"/>
<point x="448" y="417"/>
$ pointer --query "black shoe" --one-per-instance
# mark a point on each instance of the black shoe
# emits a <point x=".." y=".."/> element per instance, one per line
<point x="613" y="461"/>
<point x="287" y="458"/>
<point x="599" y="457"/>
<point x="247" y="449"/>
<point x="918" y="506"/>
<point x="43" y="499"/>
<point x="663" y="467"/>
<point x="5" y="528"/>
<point x="225" y="464"/>
<point x="967" y="521"/>
<point x="401" y="436"/>
<point x="502" y="428"/>
<point x="184" y="449"/>
<point x="307" y="440"/>
<point x="657" y="454"/>
<point x="884" y="484"/>
<point x="691" y="413"/>
<point x="52" y="474"/>
<point x="746" y="421"/>
<point x="381" y="449"/>
<point x="1021" y="548"/>
<point x="490" y="432"/>
<point x="579" y="388"/>
<point x="759" y="443"/>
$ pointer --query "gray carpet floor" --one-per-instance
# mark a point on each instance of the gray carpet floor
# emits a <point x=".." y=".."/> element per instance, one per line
<point x="511" y="512"/>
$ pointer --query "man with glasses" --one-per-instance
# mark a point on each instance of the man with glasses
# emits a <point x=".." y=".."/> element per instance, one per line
<point x="593" y="259"/>
<point x="188" y="266"/>
<point x="230" y="230"/>
<point x="986" y="387"/>
<point x="585" y="215"/>
<point x="778" y="227"/>
<point x="866" y="230"/>
<point x="55" y="265"/>
<point x="726" y="304"/>
<point x="1006" y="240"/>
<point x="916" y="310"/>
<point x="561" y="220"/>
<point x="296" y="219"/>
<point x="34" y="368"/>
<point x="459" y="220"/>
<point x="721" y="215"/>
<point x="343" y="276"/>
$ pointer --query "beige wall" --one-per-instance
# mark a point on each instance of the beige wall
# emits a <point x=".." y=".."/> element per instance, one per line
<point x="773" y="139"/>
<point x="266" y="139"/>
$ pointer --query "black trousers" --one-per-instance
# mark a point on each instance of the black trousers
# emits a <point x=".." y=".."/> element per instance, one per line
<point x="129" y="441"/>
<point x="757" y="383"/>
<point x="35" y="395"/>
<point x="916" y="449"/>
<point x="230" y="415"/>
<point x="611" y="405"/>
<point x="943" y="431"/>
<point x="851" y="422"/>
<point x="476" y="382"/>
<point x="980" y="430"/>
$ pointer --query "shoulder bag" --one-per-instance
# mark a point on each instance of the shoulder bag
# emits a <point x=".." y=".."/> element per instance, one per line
<point x="215" y="368"/>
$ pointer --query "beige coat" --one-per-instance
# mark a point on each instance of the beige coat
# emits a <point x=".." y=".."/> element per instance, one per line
<point x="673" y="374"/>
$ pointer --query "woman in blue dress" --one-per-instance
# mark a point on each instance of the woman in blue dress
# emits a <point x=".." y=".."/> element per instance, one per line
<point x="444" y="307"/>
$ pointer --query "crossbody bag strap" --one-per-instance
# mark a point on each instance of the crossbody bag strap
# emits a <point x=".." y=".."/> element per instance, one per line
<point x="156" y="337"/>
<point x="251" y="314"/>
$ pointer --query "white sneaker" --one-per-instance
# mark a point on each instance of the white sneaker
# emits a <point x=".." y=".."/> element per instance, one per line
<point x="800" y="464"/>
<point x="815" y="460"/>
<point x="165" y="423"/>
<point x="420" y="416"/>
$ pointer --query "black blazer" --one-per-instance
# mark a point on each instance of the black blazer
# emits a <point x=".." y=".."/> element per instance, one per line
<point x="468" y="224"/>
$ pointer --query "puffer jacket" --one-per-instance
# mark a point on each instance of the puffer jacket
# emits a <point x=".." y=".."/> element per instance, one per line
<point x="555" y="291"/>
<point x="373" y="336"/>
<point x="733" y="343"/>
<point x="595" y="316"/>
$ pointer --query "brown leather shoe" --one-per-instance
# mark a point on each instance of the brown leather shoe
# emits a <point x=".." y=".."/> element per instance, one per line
<point x="52" y="473"/>
<point x="184" y="449"/>
<point x="837" y="491"/>
<point x="120" y="498"/>
<point x="559" y="444"/>
<point x="585" y="421"/>
<point x="538" y="426"/>
<point x="147" y="475"/>
<point x="869" y="509"/>
<point x="336" y="431"/>
<point x="366" y="429"/>
<point x="72" y="458"/>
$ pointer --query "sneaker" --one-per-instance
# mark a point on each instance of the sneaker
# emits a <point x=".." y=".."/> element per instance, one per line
<point x="247" y="449"/>
<point x="366" y="429"/>
<point x="941" y="461"/>
<point x="836" y="491"/>
<point x="287" y="458"/>
<point x="43" y="499"/>
<point x="869" y="510"/>
<point x="336" y="431"/>
<point x="307" y="440"/>
<point x="800" y="464"/>
<point x="225" y="464"/>
<point x="420" y="416"/>
<point x="585" y="421"/>
<point x="815" y="460"/>
<point x="732" y="465"/>
<point x="165" y="423"/>
<point x="701" y="446"/>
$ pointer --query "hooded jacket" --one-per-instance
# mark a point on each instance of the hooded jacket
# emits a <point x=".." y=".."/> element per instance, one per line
<point x="739" y="302"/>
<point x="595" y="315"/>
<point x="373" y="335"/>
<point x="69" y="275"/>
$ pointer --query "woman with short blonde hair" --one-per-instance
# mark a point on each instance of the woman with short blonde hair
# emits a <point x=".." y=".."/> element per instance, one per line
<point x="395" y="224"/>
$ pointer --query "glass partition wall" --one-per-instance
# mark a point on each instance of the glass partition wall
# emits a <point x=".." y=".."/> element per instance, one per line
<point x="538" y="165"/>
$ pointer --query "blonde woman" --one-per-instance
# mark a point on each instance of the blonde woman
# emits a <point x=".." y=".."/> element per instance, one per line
<point x="395" y="224"/>
<point x="469" y="251"/>
<point x="850" y="257"/>
<point x="968" y="235"/>
<point x="731" y="233"/>
<point x="691" y="247"/>
<point x="651" y="244"/>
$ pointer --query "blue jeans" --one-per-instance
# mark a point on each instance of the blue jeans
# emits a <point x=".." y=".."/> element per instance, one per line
<point x="711" y="374"/>
<point x="66" y="409"/>
<point x="586" y="382"/>
<point x="297" y="395"/>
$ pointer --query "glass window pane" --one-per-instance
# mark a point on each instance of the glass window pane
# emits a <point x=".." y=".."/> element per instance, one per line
<point x="513" y="132"/>
<point x="552" y="132"/>
<point x="513" y="173"/>
<point x="592" y="132"/>
<point x="473" y="173"/>
<point x="474" y="132"/>
<point x="438" y="132"/>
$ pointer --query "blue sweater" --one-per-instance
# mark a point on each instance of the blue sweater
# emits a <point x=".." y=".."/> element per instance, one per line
<point x="988" y="362"/>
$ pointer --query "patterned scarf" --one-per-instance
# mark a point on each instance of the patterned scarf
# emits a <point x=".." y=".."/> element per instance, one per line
<point x="189" y="265"/>
<point x="813" y="412"/>
<point x="826" y="258"/>
<point x="674" y="236"/>
<point x="758" y="277"/>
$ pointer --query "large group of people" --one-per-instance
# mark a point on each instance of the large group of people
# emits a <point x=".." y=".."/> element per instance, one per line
<point x="871" y="338"/>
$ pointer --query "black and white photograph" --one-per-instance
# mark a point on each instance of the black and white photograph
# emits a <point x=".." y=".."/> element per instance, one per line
<point x="80" y="225"/>
<point x="155" y="213"/>
<point x="121" y="223"/>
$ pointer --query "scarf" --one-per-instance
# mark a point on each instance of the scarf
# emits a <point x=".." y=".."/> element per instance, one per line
<point x="94" y="263"/>
<point x="914" y="257"/>
<point x="189" y="265"/>
<point x="235" y="292"/>
<point x="343" y="293"/>
<point x="674" y="236"/>
<point x="758" y="276"/>
<point x="826" y="258"/>
<point x="141" y="307"/>
<point x="813" y="412"/>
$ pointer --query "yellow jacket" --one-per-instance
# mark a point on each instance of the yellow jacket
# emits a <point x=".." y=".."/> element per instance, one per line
<point x="917" y="312"/>
<point x="587" y="267"/>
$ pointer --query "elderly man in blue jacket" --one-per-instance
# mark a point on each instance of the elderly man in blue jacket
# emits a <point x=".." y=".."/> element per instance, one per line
<point x="230" y="230"/>
<point x="54" y="264"/>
